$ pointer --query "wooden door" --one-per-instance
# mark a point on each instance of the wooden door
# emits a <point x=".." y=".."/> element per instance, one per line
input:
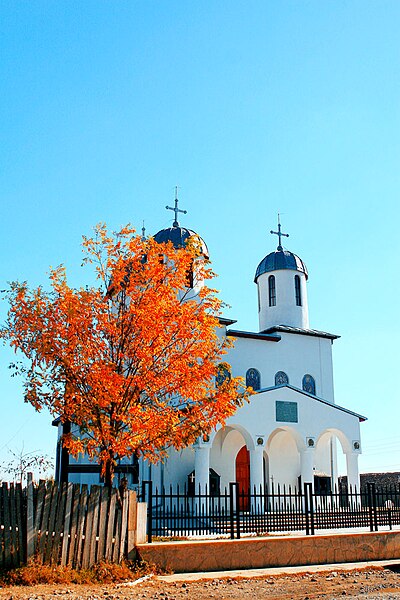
<point x="243" y="477"/>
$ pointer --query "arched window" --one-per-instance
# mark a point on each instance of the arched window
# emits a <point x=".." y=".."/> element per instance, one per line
<point x="190" y="276"/>
<point x="272" y="290"/>
<point x="297" y="290"/>
<point x="281" y="378"/>
<point x="223" y="374"/>
<point x="309" y="384"/>
<point x="253" y="379"/>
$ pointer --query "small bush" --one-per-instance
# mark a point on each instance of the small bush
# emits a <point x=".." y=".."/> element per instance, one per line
<point x="36" y="573"/>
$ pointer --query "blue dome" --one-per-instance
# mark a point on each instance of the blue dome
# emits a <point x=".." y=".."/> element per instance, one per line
<point x="278" y="260"/>
<point x="178" y="236"/>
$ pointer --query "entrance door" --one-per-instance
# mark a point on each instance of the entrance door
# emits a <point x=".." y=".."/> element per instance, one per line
<point x="243" y="477"/>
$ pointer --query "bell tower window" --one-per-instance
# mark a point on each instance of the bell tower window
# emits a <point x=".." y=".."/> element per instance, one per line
<point x="272" y="290"/>
<point x="281" y="378"/>
<point x="190" y="276"/>
<point x="253" y="379"/>
<point x="309" y="384"/>
<point x="297" y="290"/>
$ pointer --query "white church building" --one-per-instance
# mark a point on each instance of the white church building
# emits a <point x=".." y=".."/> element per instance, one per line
<point x="291" y="430"/>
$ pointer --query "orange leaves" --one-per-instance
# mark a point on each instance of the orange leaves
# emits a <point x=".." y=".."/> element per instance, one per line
<point x="132" y="362"/>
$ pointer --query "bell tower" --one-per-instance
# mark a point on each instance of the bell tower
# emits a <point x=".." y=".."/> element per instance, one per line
<point x="281" y="279"/>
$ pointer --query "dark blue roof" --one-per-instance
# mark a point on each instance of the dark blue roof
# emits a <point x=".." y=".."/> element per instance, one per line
<point x="278" y="260"/>
<point x="178" y="236"/>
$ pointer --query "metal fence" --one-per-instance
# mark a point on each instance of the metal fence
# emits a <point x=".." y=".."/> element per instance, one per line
<point x="232" y="513"/>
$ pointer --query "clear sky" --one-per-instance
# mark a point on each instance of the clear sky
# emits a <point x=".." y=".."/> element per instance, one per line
<point x="251" y="107"/>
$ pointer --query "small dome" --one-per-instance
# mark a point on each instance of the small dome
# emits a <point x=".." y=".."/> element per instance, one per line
<point x="178" y="236"/>
<point x="278" y="260"/>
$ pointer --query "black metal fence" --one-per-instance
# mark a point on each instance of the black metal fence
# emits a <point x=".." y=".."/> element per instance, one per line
<point x="233" y="513"/>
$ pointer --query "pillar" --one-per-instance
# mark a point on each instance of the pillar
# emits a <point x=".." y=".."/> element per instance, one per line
<point x="257" y="469"/>
<point x="257" y="477"/>
<point x="202" y="473"/>
<point x="307" y="466"/>
<point x="307" y="469"/>
<point x="353" y="477"/>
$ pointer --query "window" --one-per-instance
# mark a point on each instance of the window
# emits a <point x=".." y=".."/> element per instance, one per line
<point x="281" y="378"/>
<point x="190" y="276"/>
<point x="253" y="379"/>
<point x="309" y="384"/>
<point x="297" y="290"/>
<point x="223" y="374"/>
<point x="272" y="290"/>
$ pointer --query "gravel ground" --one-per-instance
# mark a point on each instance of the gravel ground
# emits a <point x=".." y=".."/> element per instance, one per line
<point x="371" y="583"/>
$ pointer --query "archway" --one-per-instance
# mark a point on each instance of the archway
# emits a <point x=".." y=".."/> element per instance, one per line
<point x="330" y="460"/>
<point x="226" y="445"/>
<point x="243" y="477"/>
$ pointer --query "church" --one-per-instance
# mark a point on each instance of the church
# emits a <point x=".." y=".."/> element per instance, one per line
<point x="291" y="430"/>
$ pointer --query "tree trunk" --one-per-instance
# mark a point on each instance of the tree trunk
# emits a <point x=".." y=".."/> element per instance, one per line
<point x="109" y="473"/>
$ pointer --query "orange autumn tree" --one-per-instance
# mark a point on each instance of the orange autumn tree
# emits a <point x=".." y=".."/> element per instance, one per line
<point x="131" y="362"/>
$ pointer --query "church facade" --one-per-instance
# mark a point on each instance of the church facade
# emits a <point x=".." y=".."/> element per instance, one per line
<point x="291" y="430"/>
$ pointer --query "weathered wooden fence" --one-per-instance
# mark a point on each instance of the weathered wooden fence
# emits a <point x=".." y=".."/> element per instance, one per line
<point x="67" y="524"/>
<point x="12" y="521"/>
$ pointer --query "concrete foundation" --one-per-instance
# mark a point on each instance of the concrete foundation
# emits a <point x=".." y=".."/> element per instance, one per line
<point x="219" y="555"/>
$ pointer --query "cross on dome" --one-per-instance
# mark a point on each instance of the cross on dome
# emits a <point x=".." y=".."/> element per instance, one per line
<point x="176" y="209"/>
<point x="279" y="233"/>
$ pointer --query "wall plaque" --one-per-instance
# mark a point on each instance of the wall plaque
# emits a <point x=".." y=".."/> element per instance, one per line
<point x="286" y="412"/>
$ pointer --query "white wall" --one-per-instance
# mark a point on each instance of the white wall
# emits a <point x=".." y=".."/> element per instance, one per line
<point x="295" y="354"/>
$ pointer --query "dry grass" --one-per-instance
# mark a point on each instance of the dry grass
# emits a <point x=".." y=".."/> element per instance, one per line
<point x="103" y="572"/>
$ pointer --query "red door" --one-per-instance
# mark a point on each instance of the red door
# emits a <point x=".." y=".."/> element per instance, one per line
<point x="243" y="477"/>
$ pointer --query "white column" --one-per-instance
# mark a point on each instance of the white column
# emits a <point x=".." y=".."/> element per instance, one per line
<point x="257" y="477"/>
<point x="353" y="477"/>
<point x="202" y="472"/>
<point x="307" y="466"/>
<point x="307" y="469"/>
<point x="257" y="469"/>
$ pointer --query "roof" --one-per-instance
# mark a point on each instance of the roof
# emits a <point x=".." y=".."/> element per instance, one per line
<point x="254" y="336"/>
<point x="317" y="398"/>
<point x="298" y="330"/>
<point x="224" y="321"/>
<point x="279" y="260"/>
<point x="178" y="236"/>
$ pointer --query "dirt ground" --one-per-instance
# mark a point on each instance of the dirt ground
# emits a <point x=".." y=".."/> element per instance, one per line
<point x="371" y="583"/>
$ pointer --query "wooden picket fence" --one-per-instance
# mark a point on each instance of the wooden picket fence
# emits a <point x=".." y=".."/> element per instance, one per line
<point x="12" y="526"/>
<point x="67" y="524"/>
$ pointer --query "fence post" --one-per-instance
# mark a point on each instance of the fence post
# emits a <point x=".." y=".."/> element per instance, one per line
<point x="306" y="509"/>
<point x="373" y="518"/>
<point x="374" y="505"/>
<point x="149" y="509"/>
<point x="309" y="508"/>
<point x="131" y="533"/>
<point x="232" y="499"/>
<point x="311" y="497"/>
<point x="390" y="519"/>
<point x="30" y="521"/>
<point x="237" y="511"/>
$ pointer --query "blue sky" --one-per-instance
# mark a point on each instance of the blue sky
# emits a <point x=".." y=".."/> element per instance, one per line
<point x="251" y="108"/>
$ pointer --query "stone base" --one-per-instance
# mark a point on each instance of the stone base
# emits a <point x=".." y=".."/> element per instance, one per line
<point x="221" y="555"/>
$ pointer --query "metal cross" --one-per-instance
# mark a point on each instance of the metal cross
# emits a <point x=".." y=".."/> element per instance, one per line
<point x="279" y="233"/>
<point x="176" y="209"/>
